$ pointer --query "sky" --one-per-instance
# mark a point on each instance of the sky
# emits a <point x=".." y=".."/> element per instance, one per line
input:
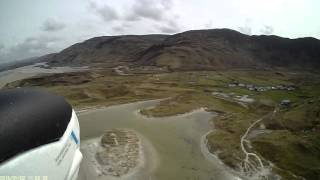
<point x="30" y="28"/>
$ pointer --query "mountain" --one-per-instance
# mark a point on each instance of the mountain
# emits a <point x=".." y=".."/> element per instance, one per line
<point x="109" y="50"/>
<point x="194" y="50"/>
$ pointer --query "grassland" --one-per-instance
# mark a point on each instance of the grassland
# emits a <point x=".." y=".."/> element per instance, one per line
<point x="292" y="143"/>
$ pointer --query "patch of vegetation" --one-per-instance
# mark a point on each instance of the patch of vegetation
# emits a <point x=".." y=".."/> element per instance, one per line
<point x="226" y="146"/>
<point x="298" y="153"/>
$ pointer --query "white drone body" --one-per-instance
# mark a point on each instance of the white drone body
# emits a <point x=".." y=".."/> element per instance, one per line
<point x="59" y="159"/>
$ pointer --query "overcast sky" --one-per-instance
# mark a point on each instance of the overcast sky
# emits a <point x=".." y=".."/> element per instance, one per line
<point x="35" y="27"/>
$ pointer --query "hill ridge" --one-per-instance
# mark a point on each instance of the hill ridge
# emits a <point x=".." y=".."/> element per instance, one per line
<point x="193" y="50"/>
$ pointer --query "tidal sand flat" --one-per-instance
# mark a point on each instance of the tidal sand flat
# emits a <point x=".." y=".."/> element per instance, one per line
<point x="171" y="145"/>
<point x="117" y="154"/>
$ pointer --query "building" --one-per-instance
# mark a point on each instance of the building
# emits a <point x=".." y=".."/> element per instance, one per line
<point x="285" y="103"/>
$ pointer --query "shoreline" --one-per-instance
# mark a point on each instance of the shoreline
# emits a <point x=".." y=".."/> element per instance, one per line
<point x="213" y="158"/>
<point x="91" y="109"/>
<point x="202" y="109"/>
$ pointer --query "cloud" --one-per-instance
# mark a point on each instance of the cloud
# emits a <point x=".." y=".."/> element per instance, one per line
<point x="52" y="25"/>
<point x="32" y="47"/>
<point x="106" y="12"/>
<point x="118" y="29"/>
<point x="142" y="16"/>
<point x="158" y="11"/>
<point x="171" y="27"/>
<point x="167" y="3"/>
<point x="132" y="17"/>
<point x="267" y="30"/>
<point x="245" y="30"/>
<point x="167" y="29"/>
<point x="149" y="9"/>
<point x="1" y="47"/>
<point x="208" y="25"/>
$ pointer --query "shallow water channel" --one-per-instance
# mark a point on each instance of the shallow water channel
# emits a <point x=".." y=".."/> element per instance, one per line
<point x="176" y="140"/>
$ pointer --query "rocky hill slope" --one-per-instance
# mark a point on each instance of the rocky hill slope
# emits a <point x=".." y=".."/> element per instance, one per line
<point x="194" y="50"/>
<point x="109" y="50"/>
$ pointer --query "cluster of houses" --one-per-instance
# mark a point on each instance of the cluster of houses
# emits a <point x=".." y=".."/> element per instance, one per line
<point x="253" y="87"/>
